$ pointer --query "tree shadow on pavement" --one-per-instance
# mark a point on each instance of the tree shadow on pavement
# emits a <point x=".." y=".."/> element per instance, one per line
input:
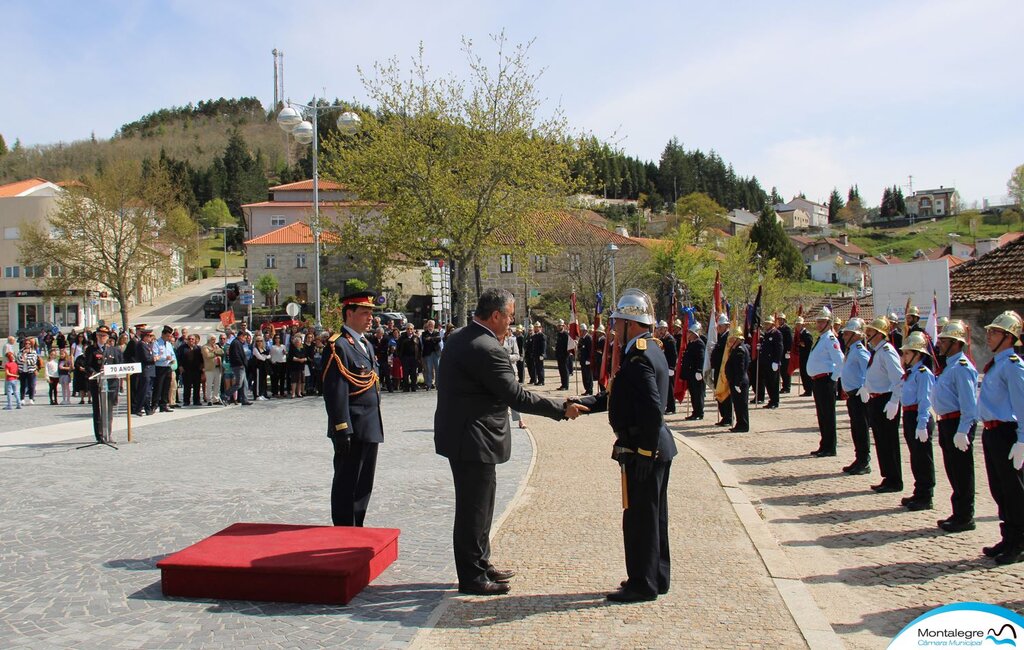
<point x="482" y="612"/>
<point x="762" y="460"/>
<point x="902" y="573"/>
<point x="838" y="516"/>
<point x="809" y="499"/>
<point x="864" y="538"/>
<point x="888" y="623"/>
<point x="792" y="480"/>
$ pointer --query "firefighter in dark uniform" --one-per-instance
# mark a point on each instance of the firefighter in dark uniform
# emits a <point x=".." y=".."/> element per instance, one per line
<point x="724" y="406"/>
<point x="769" y="360"/>
<point x="913" y="318"/>
<point x="97" y="355"/>
<point x="692" y="369"/>
<point x="805" y="343"/>
<point x="352" y="397"/>
<point x="787" y="348"/>
<point x="538" y="350"/>
<point x="736" y="373"/>
<point x="643" y="447"/>
<point x="585" y="348"/>
<point x="598" y="353"/>
<point x="668" y="344"/>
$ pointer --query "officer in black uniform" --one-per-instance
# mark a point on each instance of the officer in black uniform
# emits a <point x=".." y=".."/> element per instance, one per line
<point x="668" y="344"/>
<point x="352" y="397"/>
<point x="538" y="350"/>
<point x="787" y="349"/>
<point x="585" y="348"/>
<point x="97" y="355"/>
<point x="643" y="447"/>
<point x="562" y="355"/>
<point x="725" y="406"/>
<point x="805" y="343"/>
<point x="692" y="369"/>
<point x="770" y="357"/>
<point x="521" y="344"/>
<point x="736" y="373"/>
<point x="144" y="356"/>
<point x="598" y="353"/>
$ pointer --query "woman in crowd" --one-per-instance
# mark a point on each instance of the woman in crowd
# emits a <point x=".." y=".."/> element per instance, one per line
<point x="28" y="365"/>
<point x="259" y="367"/>
<point x="80" y="378"/>
<point x="213" y="368"/>
<point x="64" y="375"/>
<point x="53" y="376"/>
<point x="316" y="353"/>
<point x="11" y="375"/>
<point x="278" y="367"/>
<point x="297" y="363"/>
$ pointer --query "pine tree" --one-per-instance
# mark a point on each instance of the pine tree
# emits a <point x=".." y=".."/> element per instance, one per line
<point x="772" y="243"/>
<point x="886" y="208"/>
<point x="853" y="194"/>
<point x="900" y="201"/>
<point x="775" y="197"/>
<point x="3" y="146"/>
<point x="835" y="204"/>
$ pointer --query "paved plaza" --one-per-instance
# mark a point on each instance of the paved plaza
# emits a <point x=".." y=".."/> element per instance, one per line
<point x="771" y="548"/>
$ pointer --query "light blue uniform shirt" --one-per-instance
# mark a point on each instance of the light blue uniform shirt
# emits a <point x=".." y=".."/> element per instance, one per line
<point x="1002" y="391"/>
<point x="160" y="349"/>
<point x="956" y="389"/>
<point x="855" y="366"/>
<point x="825" y="357"/>
<point x="917" y="390"/>
<point x="885" y="372"/>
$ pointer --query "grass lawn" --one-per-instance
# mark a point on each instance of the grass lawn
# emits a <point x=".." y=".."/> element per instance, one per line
<point x="904" y="242"/>
<point x="213" y="248"/>
<point x="806" y="288"/>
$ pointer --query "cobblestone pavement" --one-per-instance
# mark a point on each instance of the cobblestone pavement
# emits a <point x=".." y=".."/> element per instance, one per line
<point x="82" y="530"/>
<point x="564" y="539"/>
<point x="871" y="565"/>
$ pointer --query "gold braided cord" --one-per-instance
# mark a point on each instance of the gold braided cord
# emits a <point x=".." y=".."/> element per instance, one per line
<point x="360" y="383"/>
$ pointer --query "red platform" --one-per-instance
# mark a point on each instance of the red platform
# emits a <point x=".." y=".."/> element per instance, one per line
<point x="280" y="562"/>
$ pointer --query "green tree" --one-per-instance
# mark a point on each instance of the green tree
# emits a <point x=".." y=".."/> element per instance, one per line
<point x="1015" y="186"/>
<point x="899" y="202"/>
<point x="771" y="243"/>
<point x="692" y="267"/>
<point x="112" y="231"/>
<point x="3" y="145"/>
<point x="267" y="284"/>
<point x="701" y="212"/>
<point x="215" y="214"/>
<point x="243" y="177"/>
<point x="853" y="213"/>
<point x="887" y="208"/>
<point x="853" y="194"/>
<point x="453" y="164"/>
<point x="835" y="204"/>
<point x="743" y="270"/>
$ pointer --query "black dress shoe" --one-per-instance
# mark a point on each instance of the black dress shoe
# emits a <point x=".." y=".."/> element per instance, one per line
<point x="497" y="575"/>
<point x="626" y="596"/>
<point x="817" y="452"/>
<point x="807" y="394"/>
<point x="164" y="409"/>
<point x="739" y="430"/>
<point x="996" y="549"/>
<point x="770" y="406"/>
<point x="1012" y="554"/>
<point x="919" y="504"/>
<point x="826" y="454"/>
<point x="694" y="417"/>
<point x="860" y="470"/>
<point x="953" y="526"/>
<point x="906" y="501"/>
<point x="883" y="489"/>
<point x="487" y="588"/>
<point x="723" y="423"/>
<point x="661" y="590"/>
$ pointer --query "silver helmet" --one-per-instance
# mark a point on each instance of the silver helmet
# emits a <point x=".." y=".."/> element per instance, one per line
<point x="635" y="305"/>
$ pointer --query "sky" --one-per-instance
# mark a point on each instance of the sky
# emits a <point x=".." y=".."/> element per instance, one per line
<point x="807" y="96"/>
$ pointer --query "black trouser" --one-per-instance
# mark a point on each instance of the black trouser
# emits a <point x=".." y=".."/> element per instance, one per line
<point x="353" y="482"/>
<point x="645" y="531"/>
<point x="887" y="441"/>
<point x="858" y="412"/>
<point x="53" y="381"/>
<point x="531" y="369"/>
<point x="97" y="420"/>
<point x="787" y="379"/>
<point x="670" y="402"/>
<point x="587" y="375"/>
<point x="191" y="380"/>
<point x="564" y="364"/>
<point x="697" y="397"/>
<point x="520" y="369"/>
<point x="410" y="372"/>
<point x="959" y="467"/>
<point x="538" y="370"/>
<point x="724" y="408"/>
<point x="824" y="391"/>
<point x="161" y="387"/>
<point x="475" y="485"/>
<point x="277" y="378"/>
<point x="805" y="379"/>
<point x="259" y="381"/>
<point x="739" y="404"/>
<point x="1005" y="482"/>
<point x="142" y="394"/>
<point x="922" y="461"/>
<point x="769" y="380"/>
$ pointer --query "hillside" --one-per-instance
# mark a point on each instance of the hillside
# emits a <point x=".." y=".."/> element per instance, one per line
<point x="906" y="241"/>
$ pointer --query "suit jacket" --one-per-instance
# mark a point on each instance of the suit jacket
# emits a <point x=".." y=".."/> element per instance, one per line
<point x="671" y="353"/>
<point x="738" y="366"/>
<point x="352" y="390"/>
<point x="476" y="385"/>
<point x="636" y="402"/>
<point x="772" y="348"/>
<point x="538" y="345"/>
<point x="787" y="340"/>
<point x="693" y="360"/>
<point x="585" y="348"/>
<point x="561" y="344"/>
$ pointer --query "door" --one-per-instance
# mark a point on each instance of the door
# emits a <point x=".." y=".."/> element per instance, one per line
<point x="301" y="293"/>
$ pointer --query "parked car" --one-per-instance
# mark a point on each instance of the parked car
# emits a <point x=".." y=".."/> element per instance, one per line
<point x="233" y="291"/>
<point x="213" y="306"/>
<point x="37" y="330"/>
<point x="388" y="317"/>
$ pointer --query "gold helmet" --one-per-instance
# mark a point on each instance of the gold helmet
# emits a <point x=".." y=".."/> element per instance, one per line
<point x="799" y="320"/>
<point x="917" y="342"/>
<point x="855" y="325"/>
<point x="780" y="316"/>
<point x="942" y="321"/>
<point x="956" y="330"/>
<point x="914" y="311"/>
<point x="1008" y="321"/>
<point x="736" y="332"/>
<point x="824" y="314"/>
<point x="880" y="324"/>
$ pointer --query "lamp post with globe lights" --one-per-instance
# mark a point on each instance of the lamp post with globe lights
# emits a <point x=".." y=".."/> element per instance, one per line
<point x="292" y="120"/>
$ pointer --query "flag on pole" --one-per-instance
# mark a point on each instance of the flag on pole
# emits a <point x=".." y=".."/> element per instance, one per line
<point x="593" y="336"/>
<point x="794" y="349"/>
<point x="906" y="325"/>
<point x="855" y="310"/>
<point x="716" y="308"/>
<point x="679" y="388"/>
<point x="673" y="309"/>
<point x="754" y="324"/>
<point x="574" y="322"/>
<point x="931" y="328"/>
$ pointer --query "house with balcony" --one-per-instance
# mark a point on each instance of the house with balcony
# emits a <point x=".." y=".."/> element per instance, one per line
<point x="813" y="215"/>
<point x="933" y="203"/>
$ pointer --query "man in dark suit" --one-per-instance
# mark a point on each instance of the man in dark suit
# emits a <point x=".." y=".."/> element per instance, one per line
<point x="538" y="350"/>
<point x="585" y="348"/>
<point x="476" y="386"/>
<point x="769" y="361"/>
<point x="562" y="355"/>
<point x="736" y="372"/>
<point x="805" y="343"/>
<point x="692" y="370"/>
<point x="787" y="348"/>
<point x="521" y="344"/>
<point x="671" y="350"/>
<point x="352" y="397"/>
<point x="643" y="447"/>
<point x="724" y="407"/>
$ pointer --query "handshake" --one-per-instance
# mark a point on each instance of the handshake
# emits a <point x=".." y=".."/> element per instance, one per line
<point x="573" y="409"/>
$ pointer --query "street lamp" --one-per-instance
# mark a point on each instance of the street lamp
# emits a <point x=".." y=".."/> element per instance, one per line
<point x="290" y="119"/>
<point x="224" y="230"/>
<point x="612" y="249"/>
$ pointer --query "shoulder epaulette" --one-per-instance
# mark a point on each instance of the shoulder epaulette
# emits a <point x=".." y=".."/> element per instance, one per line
<point x="1014" y="358"/>
<point x="963" y="362"/>
<point x="923" y="369"/>
<point x="641" y="344"/>
<point x="659" y="343"/>
<point x="335" y="337"/>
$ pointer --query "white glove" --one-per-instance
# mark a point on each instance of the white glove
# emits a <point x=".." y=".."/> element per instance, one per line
<point x="671" y="373"/>
<point x="922" y="435"/>
<point x="865" y="395"/>
<point x="892" y="409"/>
<point x="787" y="355"/>
<point x="775" y="367"/>
<point x="698" y="376"/>
<point x="960" y="441"/>
<point x="1017" y="455"/>
<point x="737" y="389"/>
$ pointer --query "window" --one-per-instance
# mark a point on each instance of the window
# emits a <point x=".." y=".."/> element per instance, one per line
<point x="300" y="260"/>
<point x="277" y="220"/>
<point x="12" y="233"/>
<point x="11" y="271"/>
<point x="574" y="262"/>
<point x="35" y="271"/>
<point x="540" y="263"/>
<point x="271" y="261"/>
<point x="506" y="262"/>
<point x="56" y="271"/>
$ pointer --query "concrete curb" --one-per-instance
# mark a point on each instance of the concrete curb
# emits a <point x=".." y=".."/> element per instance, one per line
<point x="809" y="618"/>
<point x="422" y="637"/>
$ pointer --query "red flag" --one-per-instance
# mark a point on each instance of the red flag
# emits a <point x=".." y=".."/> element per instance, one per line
<point x="603" y="381"/>
<point x="679" y="389"/>
<point x="673" y="309"/>
<point x="794" y="352"/>
<point x="855" y="310"/>
<point x="574" y="322"/>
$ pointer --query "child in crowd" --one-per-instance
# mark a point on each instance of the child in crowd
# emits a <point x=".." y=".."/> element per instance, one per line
<point x="11" y="380"/>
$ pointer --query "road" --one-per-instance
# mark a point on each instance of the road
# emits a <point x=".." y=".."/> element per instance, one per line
<point x="183" y="307"/>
